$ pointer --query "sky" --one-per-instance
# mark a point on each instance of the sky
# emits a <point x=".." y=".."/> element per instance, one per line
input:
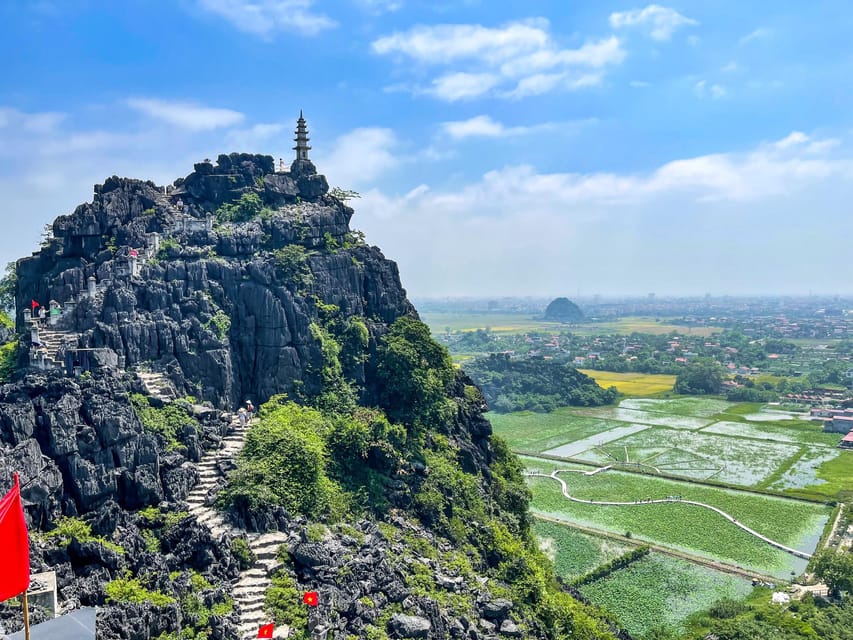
<point x="500" y="148"/>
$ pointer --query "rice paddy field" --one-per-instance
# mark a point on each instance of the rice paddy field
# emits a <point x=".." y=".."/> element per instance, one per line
<point x="683" y="526"/>
<point x="524" y="322"/>
<point x="694" y="437"/>
<point x="573" y="552"/>
<point x="659" y="591"/>
<point x="632" y="384"/>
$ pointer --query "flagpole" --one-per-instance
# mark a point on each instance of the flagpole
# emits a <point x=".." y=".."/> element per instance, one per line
<point x="26" y="618"/>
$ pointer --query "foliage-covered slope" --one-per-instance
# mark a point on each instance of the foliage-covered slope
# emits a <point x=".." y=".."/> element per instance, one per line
<point x="535" y="383"/>
<point x="371" y="453"/>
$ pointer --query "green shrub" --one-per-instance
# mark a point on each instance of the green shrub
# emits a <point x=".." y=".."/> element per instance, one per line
<point x="9" y="354"/>
<point x="69" y="528"/>
<point x="414" y="372"/>
<point x="165" y="421"/>
<point x="284" y="464"/>
<point x="127" y="589"/>
<point x="219" y="323"/>
<point x="284" y="601"/>
<point x="291" y="265"/>
<point x="167" y="245"/>
<point x="247" y="207"/>
<point x="240" y="549"/>
<point x="315" y="532"/>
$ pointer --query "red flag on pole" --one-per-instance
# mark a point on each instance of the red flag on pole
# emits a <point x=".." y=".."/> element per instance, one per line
<point x="266" y="631"/>
<point x="15" y="559"/>
<point x="311" y="598"/>
<point x="34" y="304"/>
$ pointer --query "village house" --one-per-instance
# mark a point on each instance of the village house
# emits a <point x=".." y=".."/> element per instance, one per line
<point x="838" y="424"/>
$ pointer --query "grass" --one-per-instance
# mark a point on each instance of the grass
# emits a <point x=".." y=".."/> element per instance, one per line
<point x="538" y="432"/>
<point x="574" y="553"/>
<point x="834" y="477"/>
<point x="656" y="418"/>
<point x="691" y="406"/>
<point x="686" y="527"/>
<point x="659" y="591"/>
<point x="632" y="384"/>
<point x="798" y="431"/>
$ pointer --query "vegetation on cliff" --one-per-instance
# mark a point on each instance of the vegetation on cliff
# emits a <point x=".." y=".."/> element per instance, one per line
<point x="340" y="464"/>
<point x="535" y="384"/>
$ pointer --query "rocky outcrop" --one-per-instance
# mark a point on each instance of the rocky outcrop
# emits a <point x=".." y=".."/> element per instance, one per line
<point x="167" y="307"/>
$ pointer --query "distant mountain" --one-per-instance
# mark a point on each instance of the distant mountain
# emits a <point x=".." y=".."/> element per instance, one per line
<point x="563" y="310"/>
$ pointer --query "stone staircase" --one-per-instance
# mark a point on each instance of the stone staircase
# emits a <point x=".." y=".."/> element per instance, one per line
<point x="53" y="339"/>
<point x="157" y="385"/>
<point x="250" y="587"/>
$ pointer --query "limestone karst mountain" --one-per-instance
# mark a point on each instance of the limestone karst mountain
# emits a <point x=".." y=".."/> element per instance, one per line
<point x="169" y="307"/>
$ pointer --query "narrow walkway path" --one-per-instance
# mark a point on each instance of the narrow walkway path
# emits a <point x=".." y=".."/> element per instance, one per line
<point x="778" y="545"/>
<point x="250" y="588"/>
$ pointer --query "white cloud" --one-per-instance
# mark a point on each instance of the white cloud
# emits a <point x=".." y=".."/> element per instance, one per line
<point x="791" y="140"/>
<point x="461" y="86"/>
<point x="758" y="34"/>
<point x="540" y="83"/>
<point x="715" y="91"/>
<point x="360" y="156"/>
<point x="485" y="127"/>
<point x="187" y="115"/>
<point x="445" y="43"/>
<point x="29" y="122"/>
<point x="519" y="231"/>
<point x="639" y="84"/>
<point x="256" y="136"/>
<point x="381" y="6"/>
<point x="731" y="67"/>
<point x="267" y="17"/>
<point x="515" y="60"/>
<point x="661" y="22"/>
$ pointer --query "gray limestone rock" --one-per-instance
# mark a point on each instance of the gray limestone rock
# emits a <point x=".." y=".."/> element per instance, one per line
<point x="410" y="626"/>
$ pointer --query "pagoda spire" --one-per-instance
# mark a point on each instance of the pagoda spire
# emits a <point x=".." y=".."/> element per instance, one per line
<point x="302" y="148"/>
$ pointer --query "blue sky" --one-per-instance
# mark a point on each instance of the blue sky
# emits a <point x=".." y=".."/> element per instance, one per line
<point x="501" y="148"/>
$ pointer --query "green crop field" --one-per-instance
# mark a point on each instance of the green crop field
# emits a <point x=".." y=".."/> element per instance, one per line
<point x="538" y="432"/>
<point x="699" y="407"/>
<point x="686" y="527"/>
<point x="659" y="591"/>
<point x="632" y="384"/>
<point x="703" y="455"/>
<point x="574" y="553"/>
<point x="440" y="322"/>
<point x="694" y="437"/>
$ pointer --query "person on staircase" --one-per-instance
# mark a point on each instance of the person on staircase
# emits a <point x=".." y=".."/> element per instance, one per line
<point x="250" y="411"/>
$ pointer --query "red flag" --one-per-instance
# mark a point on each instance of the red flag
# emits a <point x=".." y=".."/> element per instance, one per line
<point x="34" y="304"/>
<point x="311" y="598"/>
<point x="15" y="559"/>
<point x="266" y="631"/>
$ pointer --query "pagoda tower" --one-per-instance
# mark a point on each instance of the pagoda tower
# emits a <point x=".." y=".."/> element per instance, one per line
<point x="302" y="164"/>
<point x="301" y="139"/>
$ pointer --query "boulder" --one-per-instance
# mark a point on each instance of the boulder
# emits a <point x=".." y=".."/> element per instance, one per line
<point x="409" y="626"/>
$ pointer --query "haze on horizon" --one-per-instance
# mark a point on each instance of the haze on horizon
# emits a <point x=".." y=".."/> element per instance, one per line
<point x="616" y="148"/>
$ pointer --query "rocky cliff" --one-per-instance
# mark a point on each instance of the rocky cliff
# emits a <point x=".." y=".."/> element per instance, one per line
<point x="169" y="306"/>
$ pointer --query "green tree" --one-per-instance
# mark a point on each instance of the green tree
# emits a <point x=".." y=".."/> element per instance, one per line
<point x="414" y="372"/>
<point x="702" y="375"/>
<point x="835" y="569"/>
<point x="8" y="285"/>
